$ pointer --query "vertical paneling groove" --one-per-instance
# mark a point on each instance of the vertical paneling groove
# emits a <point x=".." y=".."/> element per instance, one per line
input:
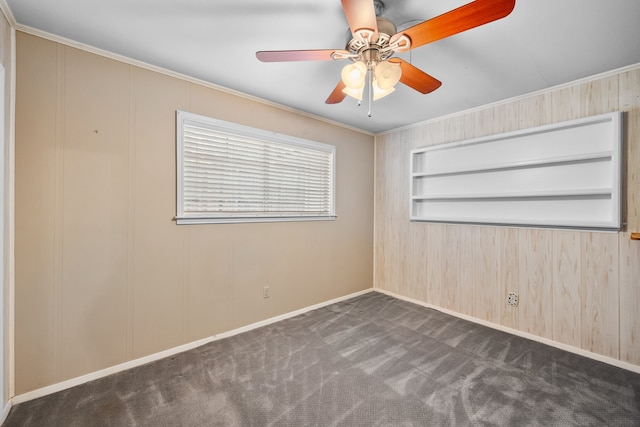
<point x="534" y="111"/>
<point x="630" y="250"/>
<point x="434" y="242"/>
<point x="506" y="117"/>
<point x="405" y="238"/>
<point x="599" y="96"/>
<point x="536" y="296"/>
<point x="36" y="302"/>
<point x="486" y="269"/>
<point x="565" y="104"/>
<point x="94" y="221"/>
<point x="59" y="215"/>
<point x="486" y="256"/>
<point x="186" y="283"/>
<point x="600" y="331"/>
<point x="432" y="239"/>
<point x="567" y="267"/>
<point x="159" y="251"/>
<point x="184" y="239"/>
<point x="189" y="329"/>
<point x="131" y="215"/>
<point x="508" y="280"/>
<point x="378" y="206"/>
<point x="418" y="284"/>
<point x="395" y="250"/>
<point x="485" y="122"/>
<point x="567" y="295"/>
<point x="577" y="288"/>
<point x="386" y="203"/>
<point x="506" y="120"/>
<point x="389" y="250"/>
<point x="600" y="252"/>
<point x="452" y="267"/>
<point x="466" y="273"/>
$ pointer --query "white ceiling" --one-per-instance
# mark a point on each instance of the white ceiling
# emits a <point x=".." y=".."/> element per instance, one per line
<point x="542" y="43"/>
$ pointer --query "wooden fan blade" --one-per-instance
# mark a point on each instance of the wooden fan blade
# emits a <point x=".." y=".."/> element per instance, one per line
<point x="415" y="78"/>
<point x="361" y="15"/>
<point x="464" y="18"/>
<point x="298" y="55"/>
<point x="337" y="95"/>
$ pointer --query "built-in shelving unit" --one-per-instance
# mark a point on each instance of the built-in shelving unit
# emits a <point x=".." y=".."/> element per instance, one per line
<point x="565" y="175"/>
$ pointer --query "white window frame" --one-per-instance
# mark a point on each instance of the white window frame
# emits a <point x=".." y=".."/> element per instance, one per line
<point x="258" y="136"/>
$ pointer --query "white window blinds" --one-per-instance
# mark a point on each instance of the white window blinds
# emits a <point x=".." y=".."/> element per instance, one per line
<point x="233" y="173"/>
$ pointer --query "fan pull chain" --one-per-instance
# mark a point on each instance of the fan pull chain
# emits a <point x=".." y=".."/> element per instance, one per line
<point x="370" y="84"/>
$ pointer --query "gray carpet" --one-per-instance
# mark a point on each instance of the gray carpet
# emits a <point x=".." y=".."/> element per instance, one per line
<point x="369" y="361"/>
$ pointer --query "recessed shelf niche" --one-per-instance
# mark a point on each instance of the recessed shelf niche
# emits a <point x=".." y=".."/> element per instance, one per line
<point x="563" y="175"/>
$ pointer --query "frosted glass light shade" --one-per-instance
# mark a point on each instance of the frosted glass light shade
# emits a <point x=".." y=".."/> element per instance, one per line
<point x="353" y="75"/>
<point x="381" y="93"/>
<point x="387" y="74"/>
<point x="354" y="93"/>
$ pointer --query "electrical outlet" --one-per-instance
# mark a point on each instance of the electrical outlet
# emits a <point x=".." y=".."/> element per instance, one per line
<point x="266" y="292"/>
<point x="512" y="299"/>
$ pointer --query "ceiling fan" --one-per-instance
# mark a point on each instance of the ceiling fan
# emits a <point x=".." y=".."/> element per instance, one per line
<point x="375" y="40"/>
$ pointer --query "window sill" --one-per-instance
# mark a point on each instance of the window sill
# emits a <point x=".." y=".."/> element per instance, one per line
<point x="236" y="220"/>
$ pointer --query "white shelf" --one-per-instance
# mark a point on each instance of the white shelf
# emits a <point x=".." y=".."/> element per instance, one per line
<point x="604" y="156"/>
<point x="521" y="195"/>
<point x="565" y="175"/>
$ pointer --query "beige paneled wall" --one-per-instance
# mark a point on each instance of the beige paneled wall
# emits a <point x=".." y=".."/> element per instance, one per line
<point x="581" y="289"/>
<point x="103" y="273"/>
<point x="6" y="59"/>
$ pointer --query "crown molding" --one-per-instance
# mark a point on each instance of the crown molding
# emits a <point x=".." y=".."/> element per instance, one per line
<point x="6" y="11"/>
<point x="501" y="102"/>
<point x="127" y="60"/>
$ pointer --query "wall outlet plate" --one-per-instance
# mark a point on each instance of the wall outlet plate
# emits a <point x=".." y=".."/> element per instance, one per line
<point x="512" y="299"/>
<point x="266" y="292"/>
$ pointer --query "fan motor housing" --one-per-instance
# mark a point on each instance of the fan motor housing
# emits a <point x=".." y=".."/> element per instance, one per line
<point x="358" y="46"/>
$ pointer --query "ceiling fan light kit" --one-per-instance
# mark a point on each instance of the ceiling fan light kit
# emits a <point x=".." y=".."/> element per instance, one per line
<point x="353" y="75"/>
<point x="387" y="74"/>
<point x="383" y="76"/>
<point x="375" y="40"/>
<point x="378" y="92"/>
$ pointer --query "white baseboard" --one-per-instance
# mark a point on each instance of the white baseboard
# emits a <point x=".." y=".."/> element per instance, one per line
<point x="54" y="388"/>
<point x="5" y="412"/>
<point x="579" y="351"/>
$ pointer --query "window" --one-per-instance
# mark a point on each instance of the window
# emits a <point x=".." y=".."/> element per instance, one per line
<point x="233" y="173"/>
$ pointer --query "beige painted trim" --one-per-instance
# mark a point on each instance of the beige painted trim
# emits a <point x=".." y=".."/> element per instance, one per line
<point x="587" y="79"/>
<point x="130" y="61"/>
<point x="374" y="240"/>
<point x="190" y="79"/>
<point x="11" y="198"/>
<point x="6" y="11"/>
<point x="170" y="352"/>
<point x="5" y="412"/>
<point x="9" y="328"/>
<point x="569" y="348"/>
<point x="44" y="391"/>
<point x="54" y="388"/>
